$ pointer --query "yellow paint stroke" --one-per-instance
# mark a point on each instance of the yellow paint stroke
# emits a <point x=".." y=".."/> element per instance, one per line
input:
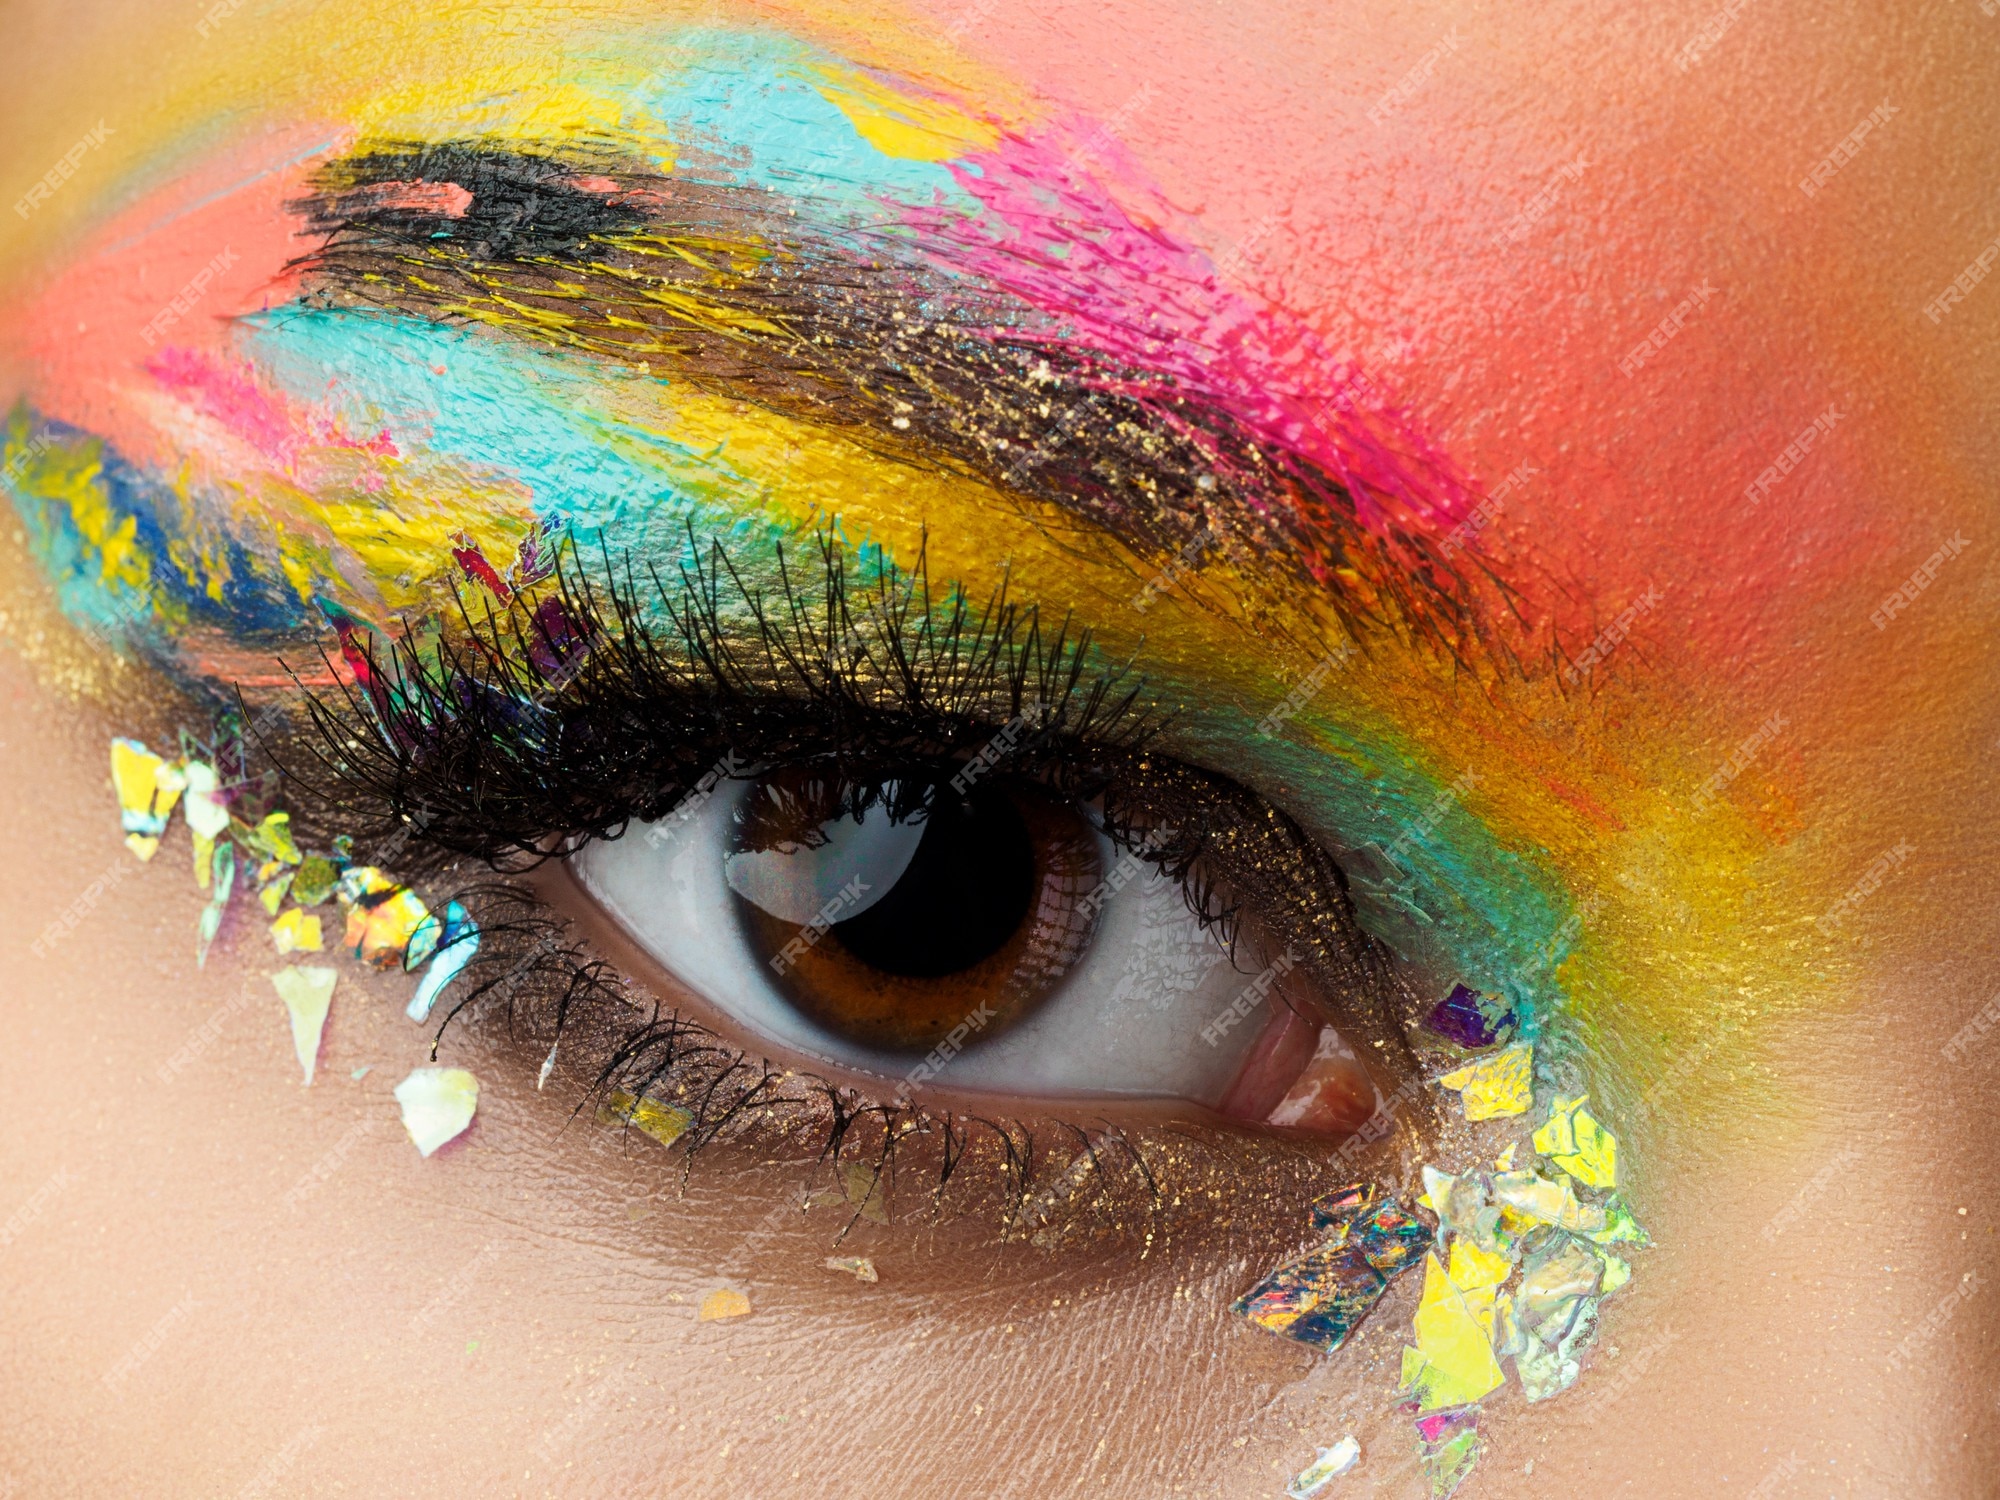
<point x="400" y="535"/>
<point x="903" y="125"/>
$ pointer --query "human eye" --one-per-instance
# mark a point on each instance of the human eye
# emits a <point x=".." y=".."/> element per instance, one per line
<point x="924" y="848"/>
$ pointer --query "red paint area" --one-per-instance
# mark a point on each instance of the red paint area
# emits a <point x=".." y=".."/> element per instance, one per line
<point x="472" y="562"/>
<point x="84" y="330"/>
<point x="446" y="198"/>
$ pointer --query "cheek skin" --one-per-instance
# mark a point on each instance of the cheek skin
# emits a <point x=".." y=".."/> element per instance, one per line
<point x="516" y="1314"/>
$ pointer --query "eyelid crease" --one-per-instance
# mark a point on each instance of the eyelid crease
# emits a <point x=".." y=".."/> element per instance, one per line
<point x="570" y="714"/>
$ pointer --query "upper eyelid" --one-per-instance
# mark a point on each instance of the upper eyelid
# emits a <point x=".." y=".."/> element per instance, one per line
<point x="952" y="674"/>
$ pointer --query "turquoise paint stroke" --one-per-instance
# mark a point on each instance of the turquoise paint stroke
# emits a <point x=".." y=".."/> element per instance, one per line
<point x="752" y="99"/>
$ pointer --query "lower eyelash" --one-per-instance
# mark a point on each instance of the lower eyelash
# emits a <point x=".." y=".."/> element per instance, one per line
<point x="1051" y="1181"/>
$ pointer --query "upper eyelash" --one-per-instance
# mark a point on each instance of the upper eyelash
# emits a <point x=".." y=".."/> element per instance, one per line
<point x="880" y="666"/>
<point x="527" y="731"/>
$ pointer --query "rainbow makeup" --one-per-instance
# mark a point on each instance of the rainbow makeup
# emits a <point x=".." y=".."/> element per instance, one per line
<point x="764" y="289"/>
<point x="401" y="332"/>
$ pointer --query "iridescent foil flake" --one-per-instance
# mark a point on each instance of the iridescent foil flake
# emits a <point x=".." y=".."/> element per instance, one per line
<point x="1322" y="1471"/>
<point x="1448" y="1445"/>
<point x="1470" y="1019"/>
<point x="1392" y="1239"/>
<point x="437" y="1104"/>
<point x="222" y="883"/>
<point x="454" y="942"/>
<point x="385" y="919"/>
<point x="1322" y="1297"/>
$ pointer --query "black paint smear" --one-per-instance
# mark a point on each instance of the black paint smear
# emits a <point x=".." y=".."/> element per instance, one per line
<point x="524" y="206"/>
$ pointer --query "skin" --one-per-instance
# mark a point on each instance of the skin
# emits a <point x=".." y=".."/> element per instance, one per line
<point x="517" y="1314"/>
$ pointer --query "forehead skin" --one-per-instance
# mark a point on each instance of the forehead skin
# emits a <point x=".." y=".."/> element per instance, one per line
<point x="1529" y="200"/>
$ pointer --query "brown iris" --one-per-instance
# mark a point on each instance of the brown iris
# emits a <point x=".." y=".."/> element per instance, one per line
<point x="892" y="915"/>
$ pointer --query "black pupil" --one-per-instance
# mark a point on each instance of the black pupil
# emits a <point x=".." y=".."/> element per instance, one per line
<point x="964" y="894"/>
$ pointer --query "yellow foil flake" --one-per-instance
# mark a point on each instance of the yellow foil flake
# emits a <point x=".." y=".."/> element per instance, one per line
<point x="1453" y="1363"/>
<point x="273" y="837"/>
<point x="1472" y="1268"/>
<point x="307" y="993"/>
<point x="1616" y="1273"/>
<point x="272" y="891"/>
<point x="437" y="1105"/>
<point x="665" y="1123"/>
<point x="724" y="1302"/>
<point x="1575" y="1140"/>
<point x="148" y="786"/>
<point x="296" y="932"/>
<point x="1496" y="1086"/>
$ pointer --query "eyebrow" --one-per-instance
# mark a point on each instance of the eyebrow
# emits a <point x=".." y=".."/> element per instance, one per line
<point x="878" y="330"/>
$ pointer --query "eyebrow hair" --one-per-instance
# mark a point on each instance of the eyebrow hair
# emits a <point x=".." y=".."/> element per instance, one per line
<point x="760" y="296"/>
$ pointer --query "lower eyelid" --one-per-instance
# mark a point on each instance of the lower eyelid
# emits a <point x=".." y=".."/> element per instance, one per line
<point x="1125" y="1184"/>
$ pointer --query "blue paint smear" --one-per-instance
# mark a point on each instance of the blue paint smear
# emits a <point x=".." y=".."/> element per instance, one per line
<point x="254" y="598"/>
<point x="750" y="98"/>
<point x="1454" y="900"/>
<point x="510" y="411"/>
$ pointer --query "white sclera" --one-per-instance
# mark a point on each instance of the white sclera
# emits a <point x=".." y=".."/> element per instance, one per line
<point x="1126" y="1020"/>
